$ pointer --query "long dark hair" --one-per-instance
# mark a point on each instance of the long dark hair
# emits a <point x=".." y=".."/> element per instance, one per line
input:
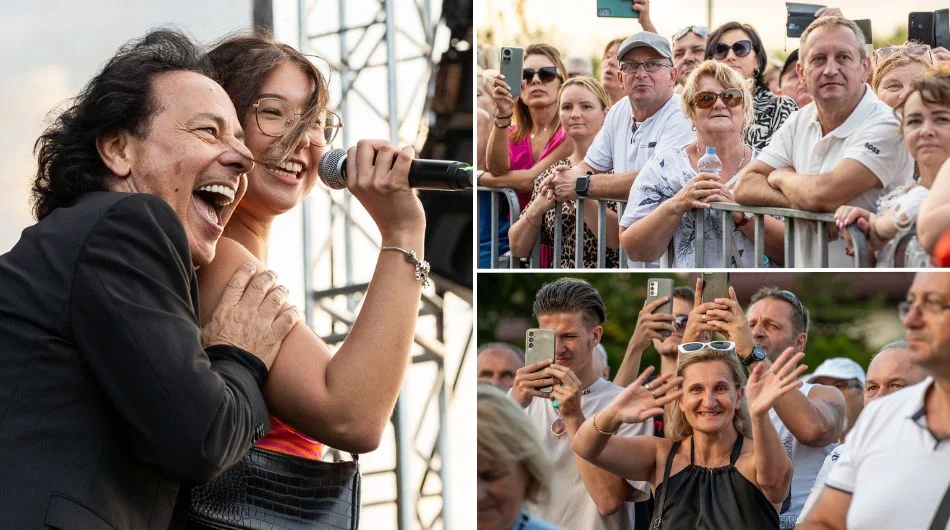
<point x="118" y="98"/>
<point x="761" y="57"/>
<point x="242" y="62"/>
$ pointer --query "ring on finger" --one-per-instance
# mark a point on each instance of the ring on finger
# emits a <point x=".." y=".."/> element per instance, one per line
<point x="647" y="386"/>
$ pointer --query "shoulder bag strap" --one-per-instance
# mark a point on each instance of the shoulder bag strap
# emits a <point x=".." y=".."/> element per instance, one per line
<point x="660" y="502"/>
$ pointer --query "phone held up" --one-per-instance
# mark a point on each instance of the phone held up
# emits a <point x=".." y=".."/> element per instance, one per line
<point x="616" y="9"/>
<point x="511" y="65"/>
<point x="715" y="285"/>
<point x="539" y="345"/>
<point x="658" y="288"/>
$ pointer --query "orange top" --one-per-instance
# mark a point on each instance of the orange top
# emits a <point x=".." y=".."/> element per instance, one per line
<point x="284" y="439"/>
<point x="941" y="255"/>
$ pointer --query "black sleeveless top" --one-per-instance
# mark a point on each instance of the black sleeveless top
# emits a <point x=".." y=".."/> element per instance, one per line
<point x="711" y="498"/>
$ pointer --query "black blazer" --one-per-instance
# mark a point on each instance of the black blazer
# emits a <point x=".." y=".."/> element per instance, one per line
<point x="107" y="400"/>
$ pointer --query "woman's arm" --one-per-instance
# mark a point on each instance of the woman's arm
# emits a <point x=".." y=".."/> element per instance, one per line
<point x="648" y="238"/>
<point x="524" y="233"/>
<point x="523" y="179"/>
<point x="591" y="219"/>
<point x="498" y="161"/>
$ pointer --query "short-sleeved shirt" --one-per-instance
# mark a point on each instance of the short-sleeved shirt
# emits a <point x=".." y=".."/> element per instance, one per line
<point x="625" y="145"/>
<point x="819" y="484"/>
<point x="771" y="111"/>
<point x="896" y="470"/>
<point x="662" y="178"/>
<point x="870" y="136"/>
<point x="569" y="504"/>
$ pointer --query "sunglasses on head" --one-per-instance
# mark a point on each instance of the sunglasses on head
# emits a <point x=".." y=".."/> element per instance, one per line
<point x="731" y="97"/>
<point x="790" y="297"/>
<point x="546" y="74"/>
<point x="701" y="31"/>
<point x="918" y="50"/>
<point x="718" y="345"/>
<point x="679" y="322"/>
<point x="741" y="49"/>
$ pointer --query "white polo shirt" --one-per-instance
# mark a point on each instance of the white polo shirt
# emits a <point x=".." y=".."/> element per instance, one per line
<point x="896" y="471"/>
<point x="569" y="505"/>
<point x="870" y="135"/>
<point x="625" y="145"/>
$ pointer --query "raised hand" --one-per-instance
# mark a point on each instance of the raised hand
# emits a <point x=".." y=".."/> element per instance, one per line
<point x="697" y="327"/>
<point x="567" y="391"/>
<point x="504" y="101"/>
<point x="651" y="326"/>
<point x="767" y="385"/>
<point x="732" y="323"/>
<point x="641" y="401"/>
<point x="528" y="379"/>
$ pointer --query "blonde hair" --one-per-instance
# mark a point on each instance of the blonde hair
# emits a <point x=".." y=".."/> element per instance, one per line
<point x="522" y="117"/>
<point x="590" y="84"/>
<point x="677" y="426"/>
<point x="896" y="60"/>
<point x="506" y="436"/>
<point x="725" y="76"/>
<point x="833" y="21"/>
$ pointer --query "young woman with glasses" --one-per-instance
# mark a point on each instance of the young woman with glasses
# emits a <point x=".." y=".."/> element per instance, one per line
<point x="740" y="46"/>
<point x="659" y="210"/>
<point x="722" y="464"/>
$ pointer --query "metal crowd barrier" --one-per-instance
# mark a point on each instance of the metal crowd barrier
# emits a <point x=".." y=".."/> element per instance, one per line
<point x="514" y="211"/>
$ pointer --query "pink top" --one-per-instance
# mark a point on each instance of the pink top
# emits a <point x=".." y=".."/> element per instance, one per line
<point x="284" y="439"/>
<point x="521" y="158"/>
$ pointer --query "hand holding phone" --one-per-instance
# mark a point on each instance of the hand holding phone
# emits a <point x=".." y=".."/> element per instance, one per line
<point x="616" y="9"/>
<point x="658" y="288"/>
<point x="539" y="346"/>
<point x="511" y="66"/>
<point x="715" y="285"/>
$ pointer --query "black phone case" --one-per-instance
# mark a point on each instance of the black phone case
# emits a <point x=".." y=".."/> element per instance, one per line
<point x="920" y="27"/>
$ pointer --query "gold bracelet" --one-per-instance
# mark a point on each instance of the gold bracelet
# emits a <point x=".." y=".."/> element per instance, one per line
<point x="421" y="265"/>
<point x="593" y="421"/>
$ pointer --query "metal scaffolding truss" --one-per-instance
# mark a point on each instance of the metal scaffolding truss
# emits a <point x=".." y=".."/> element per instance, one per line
<point x="359" y="39"/>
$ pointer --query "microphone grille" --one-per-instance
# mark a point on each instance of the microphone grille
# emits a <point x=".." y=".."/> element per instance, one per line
<point x="330" y="169"/>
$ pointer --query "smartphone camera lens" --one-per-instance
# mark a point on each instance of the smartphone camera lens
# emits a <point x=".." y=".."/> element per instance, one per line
<point x="507" y="53"/>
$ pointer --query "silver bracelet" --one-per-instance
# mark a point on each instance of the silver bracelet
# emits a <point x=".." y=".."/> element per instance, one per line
<point x="421" y="265"/>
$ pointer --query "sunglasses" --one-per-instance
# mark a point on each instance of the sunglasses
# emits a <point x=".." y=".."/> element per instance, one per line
<point x="679" y="322"/>
<point x="741" y="49"/>
<point x="918" y="50"/>
<point x="718" y="345"/>
<point x="546" y="74"/>
<point x="701" y="31"/>
<point x="731" y="97"/>
<point x="790" y="297"/>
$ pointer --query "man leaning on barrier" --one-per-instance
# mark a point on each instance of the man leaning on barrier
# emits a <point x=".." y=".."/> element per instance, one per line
<point x="844" y="149"/>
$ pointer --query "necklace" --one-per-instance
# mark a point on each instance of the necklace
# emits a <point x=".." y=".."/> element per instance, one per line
<point x="533" y="134"/>
<point x="739" y="166"/>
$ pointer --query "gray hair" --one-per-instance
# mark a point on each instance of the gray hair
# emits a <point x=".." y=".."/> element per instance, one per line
<point x="832" y="21"/>
<point x="519" y="353"/>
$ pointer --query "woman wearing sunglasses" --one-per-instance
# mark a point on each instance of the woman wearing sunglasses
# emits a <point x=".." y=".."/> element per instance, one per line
<point x="896" y="70"/>
<point x="722" y="464"/>
<point x="739" y="46"/>
<point x="583" y="107"/>
<point x="343" y="400"/>
<point x="718" y="101"/>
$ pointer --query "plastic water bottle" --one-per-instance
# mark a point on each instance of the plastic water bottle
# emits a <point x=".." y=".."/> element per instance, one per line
<point x="709" y="163"/>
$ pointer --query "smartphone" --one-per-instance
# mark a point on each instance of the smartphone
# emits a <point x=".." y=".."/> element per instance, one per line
<point x="865" y="25"/>
<point x="920" y="27"/>
<point x="715" y="285"/>
<point x="539" y="345"/>
<point x="658" y="288"/>
<point x="799" y="17"/>
<point x="942" y="28"/>
<point x="512" y="63"/>
<point x="616" y="9"/>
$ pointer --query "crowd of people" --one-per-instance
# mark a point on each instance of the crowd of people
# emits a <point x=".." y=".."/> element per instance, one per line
<point x="833" y="130"/>
<point x="729" y="433"/>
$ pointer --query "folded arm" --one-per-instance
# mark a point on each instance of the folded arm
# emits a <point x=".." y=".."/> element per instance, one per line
<point x="827" y="191"/>
<point x="753" y="187"/>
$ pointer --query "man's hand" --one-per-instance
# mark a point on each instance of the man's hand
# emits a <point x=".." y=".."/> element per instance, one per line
<point x="829" y="12"/>
<point x="697" y="329"/>
<point x="563" y="183"/>
<point x="732" y="323"/>
<point x="528" y="379"/>
<point x="767" y="384"/>
<point x="567" y="391"/>
<point x="252" y="315"/>
<point x="776" y="177"/>
<point x="643" y="15"/>
<point x="651" y="326"/>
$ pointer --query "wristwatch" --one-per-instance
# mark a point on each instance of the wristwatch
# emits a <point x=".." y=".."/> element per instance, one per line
<point x="757" y="355"/>
<point x="581" y="185"/>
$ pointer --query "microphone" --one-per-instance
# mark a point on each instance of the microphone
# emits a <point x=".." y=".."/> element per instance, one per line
<point x="423" y="174"/>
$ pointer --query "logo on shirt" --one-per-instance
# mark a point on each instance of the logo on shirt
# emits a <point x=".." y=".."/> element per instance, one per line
<point x="872" y="149"/>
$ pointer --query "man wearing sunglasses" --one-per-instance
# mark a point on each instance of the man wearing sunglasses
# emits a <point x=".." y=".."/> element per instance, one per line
<point x="689" y="47"/>
<point x="844" y="149"/>
<point x="663" y="330"/>
<point x="649" y="118"/>
<point x="894" y="473"/>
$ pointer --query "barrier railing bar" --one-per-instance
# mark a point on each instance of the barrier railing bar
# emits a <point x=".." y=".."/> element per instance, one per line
<point x="822" y="245"/>
<point x="759" y="242"/>
<point x="579" y="234"/>
<point x="494" y="230"/>
<point x="699" y="243"/>
<point x="601" y="234"/>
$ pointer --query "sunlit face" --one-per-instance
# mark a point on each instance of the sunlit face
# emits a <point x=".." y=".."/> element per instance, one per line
<point x="536" y="93"/>
<point x="574" y="342"/>
<point x="890" y="371"/>
<point x="647" y="89"/>
<point x="896" y="83"/>
<point x="609" y="67"/>
<point x="193" y="142"/>
<point x="831" y="65"/>
<point x="277" y="185"/>
<point x="501" y="490"/>
<point x="745" y="65"/>
<point x="688" y="52"/>
<point x="772" y="323"/>
<point x="926" y="133"/>
<point x="718" y="119"/>
<point x="793" y="87"/>
<point x="581" y="113"/>
<point x="928" y="332"/>
<point x="498" y="366"/>
<point x="484" y="97"/>
<point x="710" y="396"/>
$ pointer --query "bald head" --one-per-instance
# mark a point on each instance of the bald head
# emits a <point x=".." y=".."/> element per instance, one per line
<point x="891" y="370"/>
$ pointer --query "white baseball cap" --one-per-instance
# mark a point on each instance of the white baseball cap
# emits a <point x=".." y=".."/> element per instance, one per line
<point x="838" y="368"/>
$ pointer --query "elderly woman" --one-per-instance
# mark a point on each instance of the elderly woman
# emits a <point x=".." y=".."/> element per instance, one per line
<point x="722" y="464"/>
<point x="583" y="107"/>
<point x="893" y="75"/>
<point x="609" y="67"/>
<point x="740" y="46"/>
<point x="925" y="123"/>
<point x="512" y="464"/>
<point x="718" y="101"/>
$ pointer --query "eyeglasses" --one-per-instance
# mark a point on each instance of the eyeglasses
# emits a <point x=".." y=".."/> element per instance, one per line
<point x="731" y="97"/>
<point x="796" y="304"/>
<point x="918" y="50"/>
<point x="844" y="384"/>
<point x="546" y="74"/>
<point x="718" y="345"/>
<point x="701" y="31"/>
<point x="679" y="322"/>
<point x="649" y="66"/>
<point x="927" y="305"/>
<point x="741" y="49"/>
<point x="276" y="117"/>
